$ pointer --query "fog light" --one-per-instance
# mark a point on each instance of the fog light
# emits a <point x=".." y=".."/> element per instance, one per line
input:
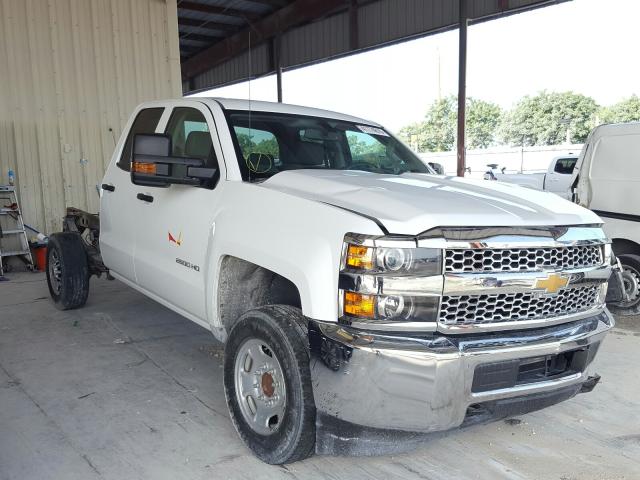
<point x="394" y="307"/>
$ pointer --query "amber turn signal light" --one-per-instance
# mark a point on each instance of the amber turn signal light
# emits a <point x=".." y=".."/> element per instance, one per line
<point x="358" y="305"/>
<point x="360" y="257"/>
<point x="142" y="167"/>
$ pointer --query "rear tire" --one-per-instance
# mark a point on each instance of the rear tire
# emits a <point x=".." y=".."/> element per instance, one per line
<point x="268" y="384"/>
<point x="67" y="271"/>
<point x="631" y="276"/>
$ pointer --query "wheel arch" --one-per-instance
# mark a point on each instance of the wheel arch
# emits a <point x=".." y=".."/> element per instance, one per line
<point x="244" y="285"/>
<point x="622" y="246"/>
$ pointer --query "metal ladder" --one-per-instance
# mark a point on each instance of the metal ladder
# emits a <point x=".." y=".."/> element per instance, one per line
<point x="12" y="229"/>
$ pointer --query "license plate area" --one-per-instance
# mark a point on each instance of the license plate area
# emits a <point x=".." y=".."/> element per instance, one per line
<point x="523" y="371"/>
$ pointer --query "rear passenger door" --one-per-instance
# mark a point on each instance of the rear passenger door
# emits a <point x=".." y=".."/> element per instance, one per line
<point x="175" y="228"/>
<point x="118" y="205"/>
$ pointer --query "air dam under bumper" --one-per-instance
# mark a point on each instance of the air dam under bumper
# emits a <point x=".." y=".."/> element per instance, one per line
<point x="430" y="383"/>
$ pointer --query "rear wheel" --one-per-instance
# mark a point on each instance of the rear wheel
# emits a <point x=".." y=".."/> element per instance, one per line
<point x="67" y="270"/>
<point x="631" y="278"/>
<point x="268" y="386"/>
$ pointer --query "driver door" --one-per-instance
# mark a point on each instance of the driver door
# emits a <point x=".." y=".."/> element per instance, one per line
<point x="176" y="224"/>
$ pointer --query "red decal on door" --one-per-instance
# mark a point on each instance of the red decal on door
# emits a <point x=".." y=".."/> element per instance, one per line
<point x="177" y="241"/>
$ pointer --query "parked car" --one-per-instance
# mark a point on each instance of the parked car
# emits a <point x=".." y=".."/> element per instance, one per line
<point x="557" y="178"/>
<point x="607" y="180"/>
<point x="436" y="167"/>
<point x="356" y="291"/>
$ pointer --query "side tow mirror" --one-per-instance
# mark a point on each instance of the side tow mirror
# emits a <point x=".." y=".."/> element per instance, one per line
<point x="152" y="165"/>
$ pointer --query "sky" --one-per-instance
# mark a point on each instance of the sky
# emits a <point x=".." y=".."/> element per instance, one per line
<point x="588" y="46"/>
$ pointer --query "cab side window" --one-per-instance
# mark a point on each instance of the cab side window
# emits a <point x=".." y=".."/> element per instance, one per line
<point x="190" y="136"/>
<point x="565" y="165"/>
<point x="145" y="122"/>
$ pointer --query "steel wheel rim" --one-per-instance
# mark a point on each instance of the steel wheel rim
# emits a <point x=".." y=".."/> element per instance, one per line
<point x="260" y="388"/>
<point x="631" y="279"/>
<point x="55" y="271"/>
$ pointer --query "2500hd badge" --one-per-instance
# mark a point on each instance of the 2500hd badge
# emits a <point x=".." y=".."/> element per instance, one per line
<point x="184" y="263"/>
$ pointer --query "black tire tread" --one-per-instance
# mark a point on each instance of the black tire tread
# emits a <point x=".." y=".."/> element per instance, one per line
<point x="292" y="328"/>
<point x="635" y="309"/>
<point x="74" y="288"/>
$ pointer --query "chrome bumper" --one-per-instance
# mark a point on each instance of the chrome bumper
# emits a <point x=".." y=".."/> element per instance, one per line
<point x="425" y="383"/>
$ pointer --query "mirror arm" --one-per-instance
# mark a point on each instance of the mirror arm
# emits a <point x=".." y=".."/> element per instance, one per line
<point x="201" y="173"/>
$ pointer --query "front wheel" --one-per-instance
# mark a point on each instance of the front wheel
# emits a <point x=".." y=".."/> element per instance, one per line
<point x="268" y="386"/>
<point x="67" y="270"/>
<point x="631" y="280"/>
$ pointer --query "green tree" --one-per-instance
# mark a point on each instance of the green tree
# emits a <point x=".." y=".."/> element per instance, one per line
<point x="246" y="144"/>
<point x="543" y="119"/>
<point x="438" y="131"/>
<point x="269" y="146"/>
<point x="627" y="110"/>
<point x="266" y="145"/>
<point x="483" y="119"/>
<point x="360" y="147"/>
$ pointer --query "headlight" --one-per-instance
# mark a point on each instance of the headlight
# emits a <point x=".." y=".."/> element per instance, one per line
<point x="393" y="308"/>
<point x="399" y="261"/>
<point x="386" y="281"/>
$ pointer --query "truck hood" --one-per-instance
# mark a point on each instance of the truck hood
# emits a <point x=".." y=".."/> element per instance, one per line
<point x="412" y="203"/>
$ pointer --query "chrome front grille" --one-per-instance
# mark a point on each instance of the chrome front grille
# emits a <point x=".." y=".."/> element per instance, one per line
<point x="522" y="259"/>
<point x="513" y="307"/>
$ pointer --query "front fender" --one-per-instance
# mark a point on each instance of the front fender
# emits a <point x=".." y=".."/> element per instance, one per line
<point x="297" y="238"/>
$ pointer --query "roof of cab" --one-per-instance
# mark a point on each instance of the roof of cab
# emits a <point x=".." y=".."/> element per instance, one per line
<point x="260" y="106"/>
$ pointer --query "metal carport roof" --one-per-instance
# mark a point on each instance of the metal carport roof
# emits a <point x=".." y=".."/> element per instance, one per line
<point x="215" y="35"/>
<point x="224" y="42"/>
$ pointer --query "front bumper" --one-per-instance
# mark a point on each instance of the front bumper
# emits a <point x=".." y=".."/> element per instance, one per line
<point x="426" y="383"/>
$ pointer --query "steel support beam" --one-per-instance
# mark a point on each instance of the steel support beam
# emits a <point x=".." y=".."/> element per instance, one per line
<point x="296" y="13"/>
<point x="206" y="8"/>
<point x="462" y="87"/>
<point x="353" y="25"/>
<point x="271" y="3"/>
<point x="208" y="25"/>
<point x="199" y="37"/>
<point x="277" y="64"/>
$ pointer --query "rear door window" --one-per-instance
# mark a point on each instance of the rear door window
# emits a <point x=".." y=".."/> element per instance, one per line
<point x="146" y="122"/>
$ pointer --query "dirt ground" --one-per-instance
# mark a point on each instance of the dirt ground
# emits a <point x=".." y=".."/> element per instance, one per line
<point x="126" y="389"/>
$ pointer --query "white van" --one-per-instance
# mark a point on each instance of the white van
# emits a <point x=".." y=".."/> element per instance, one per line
<point x="607" y="180"/>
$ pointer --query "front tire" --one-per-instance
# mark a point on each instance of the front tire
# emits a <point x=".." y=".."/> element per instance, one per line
<point x="67" y="270"/>
<point x="631" y="278"/>
<point x="268" y="384"/>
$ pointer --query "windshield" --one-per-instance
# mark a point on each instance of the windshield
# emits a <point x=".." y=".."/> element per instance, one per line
<point x="268" y="143"/>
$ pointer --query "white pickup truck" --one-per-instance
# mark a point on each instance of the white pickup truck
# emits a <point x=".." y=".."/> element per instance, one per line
<point x="557" y="178"/>
<point x="357" y="293"/>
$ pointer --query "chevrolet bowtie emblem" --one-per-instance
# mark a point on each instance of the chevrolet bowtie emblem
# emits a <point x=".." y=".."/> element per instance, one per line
<point x="552" y="284"/>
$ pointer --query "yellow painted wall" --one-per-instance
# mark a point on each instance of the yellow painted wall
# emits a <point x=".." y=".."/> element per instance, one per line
<point x="71" y="72"/>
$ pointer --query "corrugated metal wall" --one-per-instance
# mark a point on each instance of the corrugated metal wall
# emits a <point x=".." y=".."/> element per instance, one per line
<point x="380" y="22"/>
<point x="71" y="72"/>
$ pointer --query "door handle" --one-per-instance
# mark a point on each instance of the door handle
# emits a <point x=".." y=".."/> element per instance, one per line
<point x="108" y="187"/>
<point x="144" y="197"/>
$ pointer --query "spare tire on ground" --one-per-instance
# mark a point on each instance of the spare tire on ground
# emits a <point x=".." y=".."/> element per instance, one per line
<point x="67" y="270"/>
